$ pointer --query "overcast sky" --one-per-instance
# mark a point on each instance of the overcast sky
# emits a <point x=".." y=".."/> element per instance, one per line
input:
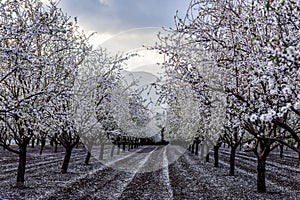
<point x="109" y="16"/>
<point x="124" y="25"/>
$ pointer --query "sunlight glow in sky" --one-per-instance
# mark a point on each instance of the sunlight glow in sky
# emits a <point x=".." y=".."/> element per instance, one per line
<point x="123" y="25"/>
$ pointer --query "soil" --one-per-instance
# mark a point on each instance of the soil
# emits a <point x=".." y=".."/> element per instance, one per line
<point x="189" y="177"/>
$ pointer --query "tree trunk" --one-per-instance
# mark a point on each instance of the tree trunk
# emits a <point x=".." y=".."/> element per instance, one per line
<point x="101" y="151"/>
<point x="119" y="147"/>
<point x="261" y="171"/>
<point x="22" y="166"/>
<point x="129" y="143"/>
<point x="232" y="161"/>
<point x="87" y="158"/>
<point x="43" y="143"/>
<point x="281" y="150"/>
<point x="216" y="155"/>
<point x="88" y="155"/>
<point x="55" y="146"/>
<point x="207" y="152"/>
<point x="197" y="148"/>
<point x="135" y="144"/>
<point x="124" y="145"/>
<point x="132" y="143"/>
<point x="207" y="157"/>
<point x="193" y="147"/>
<point x="32" y="143"/>
<point x="112" y="151"/>
<point x="202" y="151"/>
<point x="65" y="165"/>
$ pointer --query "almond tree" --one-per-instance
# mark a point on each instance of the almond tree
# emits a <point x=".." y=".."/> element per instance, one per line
<point x="188" y="118"/>
<point x="243" y="37"/>
<point x="283" y="77"/>
<point x="253" y="44"/>
<point x="105" y="108"/>
<point x="40" y="48"/>
<point x="129" y="111"/>
<point x="98" y="76"/>
<point x="63" y="124"/>
<point x="233" y="134"/>
<point x="261" y="93"/>
<point x="191" y="64"/>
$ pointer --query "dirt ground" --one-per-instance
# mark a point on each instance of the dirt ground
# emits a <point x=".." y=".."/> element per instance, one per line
<point x="188" y="177"/>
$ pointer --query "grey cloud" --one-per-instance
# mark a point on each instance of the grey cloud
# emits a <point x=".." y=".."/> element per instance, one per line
<point x="118" y="15"/>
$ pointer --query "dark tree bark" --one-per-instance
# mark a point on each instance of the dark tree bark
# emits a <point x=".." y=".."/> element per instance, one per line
<point x="22" y="163"/>
<point x="87" y="158"/>
<point x="24" y="142"/>
<point x="207" y="151"/>
<point x="234" y="141"/>
<point x="124" y="144"/>
<point x="262" y="154"/>
<point x="232" y="161"/>
<point x="197" y="148"/>
<point x="216" y="155"/>
<point x="21" y="169"/>
<point x="281" y="150"/>
<point x="55" y="146"/>
<point x="69" y="143"/>
<point x="43" y="143"/>
<point x="54" y="141"/>
<point x="261" y="171"/>
<point x="112" y="150"/>
<point x="193" y="146"/>
<point x="135" y="143"/>
<point x="88" y="155"/>
<point x="129" y="143"/>
<point x="32" y="143"/>
<point x="132" y="143"/>
<point x="65" y="165"/>
<point x="101" y="151"/>
<point x="202" y="151"/>
<point x="119" y="145"/>
<point x="207" y="157"/>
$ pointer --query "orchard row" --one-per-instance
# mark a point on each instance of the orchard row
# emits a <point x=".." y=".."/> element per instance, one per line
<point x="233" y="75"/>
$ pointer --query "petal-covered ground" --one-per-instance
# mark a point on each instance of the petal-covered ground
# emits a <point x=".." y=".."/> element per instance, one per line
<point x="189" y="177"/>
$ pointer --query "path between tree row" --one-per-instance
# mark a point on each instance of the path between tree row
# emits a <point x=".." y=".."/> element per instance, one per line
<point x="188" y="177"/>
